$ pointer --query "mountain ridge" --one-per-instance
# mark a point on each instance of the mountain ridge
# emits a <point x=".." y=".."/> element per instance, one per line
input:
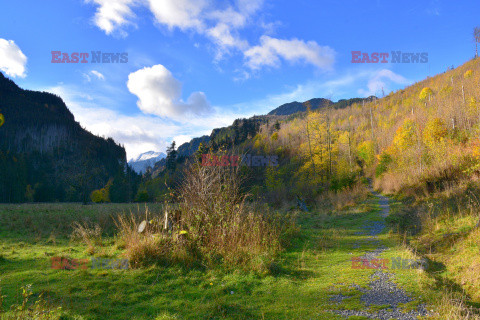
<point x="52" y="156"/>
<point x="187" y="149"/>
<point x="145" y="160"/>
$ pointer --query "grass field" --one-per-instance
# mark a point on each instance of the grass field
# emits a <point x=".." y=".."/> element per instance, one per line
<point x="314" y="267"/>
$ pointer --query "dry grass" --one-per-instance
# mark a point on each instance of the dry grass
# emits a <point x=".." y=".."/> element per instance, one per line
<point x="340" y="200"/>
<point x="153" y="245"/>
<point x="212" y="226"/>
<point x="90" y="234"/>
<point x="453" y="308"/>
<point x="220" y="224"/>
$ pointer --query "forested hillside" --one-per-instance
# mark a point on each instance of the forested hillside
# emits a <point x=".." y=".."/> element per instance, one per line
<point x="245" y="136"/>
<point x="45" y="155"/>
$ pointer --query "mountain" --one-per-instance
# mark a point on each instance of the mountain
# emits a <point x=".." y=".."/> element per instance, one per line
<point x="45" y="155"/>
<point x="189" y="148"/>
<point x="315" y="103"/>
<point x="244" y="129"/>
<point x="294" y="107"/>
<point x="184" y="151"/>
<point x="145" y="160"/>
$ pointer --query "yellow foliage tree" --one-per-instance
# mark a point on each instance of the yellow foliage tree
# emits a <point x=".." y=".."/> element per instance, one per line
<point x="366" y="151"/>
<point x="425" y="94"/>
<point x="468" y="74"/>
<point x="434" y="133"/>
<point x="406" y="135"/>
<point x="472" y="107"/>
<point x="102" y="195"/>
<point x="97" y="196"/>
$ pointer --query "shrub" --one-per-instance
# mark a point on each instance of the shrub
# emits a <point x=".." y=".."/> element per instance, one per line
<point x="153" y="245"/>
<point x="219" y="223"/>
<point x="142" y="196"/>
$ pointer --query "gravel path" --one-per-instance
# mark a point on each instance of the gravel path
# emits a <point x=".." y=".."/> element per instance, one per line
<point x="381" y="290"/>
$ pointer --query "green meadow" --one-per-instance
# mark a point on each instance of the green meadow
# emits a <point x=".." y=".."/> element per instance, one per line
<point x="313" y="267"/>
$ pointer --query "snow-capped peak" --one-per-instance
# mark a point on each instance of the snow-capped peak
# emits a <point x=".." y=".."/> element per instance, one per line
<point x="145" y="160"/>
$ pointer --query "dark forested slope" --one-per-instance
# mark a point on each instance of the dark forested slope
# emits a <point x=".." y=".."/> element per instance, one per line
<point x="45" y="155"/>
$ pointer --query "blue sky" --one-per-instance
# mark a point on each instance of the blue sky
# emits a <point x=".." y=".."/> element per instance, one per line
<point x="194" y="65"/>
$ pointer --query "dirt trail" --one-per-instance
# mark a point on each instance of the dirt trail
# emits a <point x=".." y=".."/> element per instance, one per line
<point x="381" y="290"/>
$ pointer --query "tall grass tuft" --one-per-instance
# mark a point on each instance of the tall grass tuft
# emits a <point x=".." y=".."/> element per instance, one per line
<point x="90" y="234"/>
<point x="211" y="226"/>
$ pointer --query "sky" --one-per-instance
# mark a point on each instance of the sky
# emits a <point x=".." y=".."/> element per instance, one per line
<point x="185" y="67"/>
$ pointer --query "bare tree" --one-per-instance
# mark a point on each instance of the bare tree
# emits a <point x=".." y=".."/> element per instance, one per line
<point x="476" y="36"/>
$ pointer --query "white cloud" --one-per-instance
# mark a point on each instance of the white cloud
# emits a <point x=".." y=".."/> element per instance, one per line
<point x="137" y="132"/>
<point x="98" y="74"/>
<point x="12" y="59"/>
<point x="181" y="139"/>
<point x="159" y="93"/>
<point x="221" y="35"/>
<point x="249" y="6"/>
<point x="95" y="73"/>
<point x="271" y="50"/>
<point x="183" y="14"/>
<point x="112" y="15"/>
<point x="227" y="23"/>
<point x="222" y="26"/>
<point x="87" y="77"/>
<point x="378" y="82"/>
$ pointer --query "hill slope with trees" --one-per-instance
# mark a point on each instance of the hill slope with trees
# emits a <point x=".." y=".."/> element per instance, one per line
<point x="45" y="155"/>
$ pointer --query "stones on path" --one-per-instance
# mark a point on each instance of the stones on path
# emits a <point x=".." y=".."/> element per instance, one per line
<point x="385" y="314"/>
<point x="381" y="290"/>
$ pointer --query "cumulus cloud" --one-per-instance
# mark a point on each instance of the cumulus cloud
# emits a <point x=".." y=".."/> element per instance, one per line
<point x="159" y="93"/>
<point x="272" y="50"/>
<point x="183" y="14"/>
<point x="12" y="59"/>
<point x="112" y="15"/>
